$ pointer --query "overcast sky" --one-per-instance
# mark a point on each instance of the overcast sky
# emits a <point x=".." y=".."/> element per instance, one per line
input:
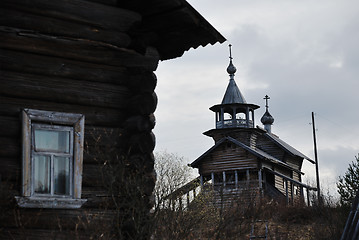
<point x="303" y="54"/>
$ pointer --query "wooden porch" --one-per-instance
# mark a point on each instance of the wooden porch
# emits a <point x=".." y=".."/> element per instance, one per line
<point x="242" y="185"/>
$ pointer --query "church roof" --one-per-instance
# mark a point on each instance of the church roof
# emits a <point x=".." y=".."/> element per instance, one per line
<point x="286" y="146"/>
<point x="172" y="26"/>
<point x="233" y="94"/>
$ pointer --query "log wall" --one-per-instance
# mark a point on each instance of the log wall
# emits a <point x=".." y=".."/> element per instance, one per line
<point x="76" y="56"/>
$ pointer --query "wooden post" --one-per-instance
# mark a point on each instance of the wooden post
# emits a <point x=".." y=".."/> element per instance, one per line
<point x="253" y="118"/>
<point x="224" y="178"/>
<point x="286" y="191"/>
<point x="234" y="119"/>
<point x="260" y="178"/>
<point x="316" y="159"/>
<point x="236" y="178"/>
<point x="194" y="193"/>
<point x="180" y="202"/>
<point x="248" y="177"/>
<point x="302" y="194"/>
<point x="187" y="199"/>
<point x="212" y="176"/>
<point x="308" y="199"/>
<point x="247" y="117"/>
<point x="222" y="117"/>
<point x="264" y="179"/>
<point x="292" y="192"/>
<point x="201" y="180"/>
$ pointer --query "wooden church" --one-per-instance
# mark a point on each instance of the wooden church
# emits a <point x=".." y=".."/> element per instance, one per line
<point x="247" y="160"/>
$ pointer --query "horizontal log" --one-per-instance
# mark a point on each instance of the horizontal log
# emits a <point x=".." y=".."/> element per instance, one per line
<point x="60" y="90"/>
<point x="94" y="116"/>
<point x="140" y="123"/>
<point x="102" y="154"/>
<point x="92" y="175"/>
<point x="144" y="103"/>
<point x="102" y="136"/>
<point x="81" y="11"/>
<point x="61" y="28"/>
<point x="150" y="183"/>
<point x="137" y="79"/>
<point x="143" y="162"/>
<point x="10" y="169"/>
<point x="54" y="219"/>
<point x="10" y="147"/>
<point x="10" y="127"/>
<point x="81" y="49"/>
<point x="142" y="143"/>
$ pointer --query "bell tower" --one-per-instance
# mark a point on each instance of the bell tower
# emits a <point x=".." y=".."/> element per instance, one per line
<point x="234" y="111"/>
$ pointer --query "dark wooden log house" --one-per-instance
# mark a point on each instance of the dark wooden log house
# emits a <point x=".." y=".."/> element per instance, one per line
<point x="76" y="112"/>
<point x="248" y="161"/>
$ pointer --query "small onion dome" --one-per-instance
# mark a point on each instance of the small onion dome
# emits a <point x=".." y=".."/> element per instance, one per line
<point x="231" y="69"/>
<point x="267" y="118"/>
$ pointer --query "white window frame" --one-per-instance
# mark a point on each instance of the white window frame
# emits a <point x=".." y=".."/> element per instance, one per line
<point x="31" y="200"/>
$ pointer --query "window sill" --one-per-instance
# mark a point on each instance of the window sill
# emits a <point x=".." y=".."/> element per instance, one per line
<point x="44" y="202"/>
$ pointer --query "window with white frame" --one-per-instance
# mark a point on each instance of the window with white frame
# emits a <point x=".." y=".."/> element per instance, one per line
<point x="52" y="154"/>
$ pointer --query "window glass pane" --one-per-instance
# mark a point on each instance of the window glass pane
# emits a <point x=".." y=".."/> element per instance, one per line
<point x="42" y="174"/>
<point x="62" y="175"/>
<point x="50" y="140"/>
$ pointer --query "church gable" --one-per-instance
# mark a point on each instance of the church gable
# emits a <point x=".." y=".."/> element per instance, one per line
<point x="226" y="156"/>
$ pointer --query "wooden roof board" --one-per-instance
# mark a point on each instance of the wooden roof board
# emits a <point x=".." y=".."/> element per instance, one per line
<point x="176" y="24"/>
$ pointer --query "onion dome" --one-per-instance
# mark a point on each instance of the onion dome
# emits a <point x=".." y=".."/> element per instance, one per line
<point x="267" y="118"/>
<point x="231" y="69"/>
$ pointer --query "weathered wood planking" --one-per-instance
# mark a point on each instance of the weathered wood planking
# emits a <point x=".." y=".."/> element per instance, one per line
<point x="76" y="49"/>
<point x="12" y="172"/>
<point x="220" y="161"/>
<point x="269" y="147"/>
<point x="45" y="25"/>
<point x="85" y="12"/>
<point x="61" y="90"/>
<point x="294" y="162"/>
<point x="134" y="78"/>
<point x="280" y="182"/>
<point x="95" y="116"/>
<point x="9" y="126"/>
<point x="10" y="147"/>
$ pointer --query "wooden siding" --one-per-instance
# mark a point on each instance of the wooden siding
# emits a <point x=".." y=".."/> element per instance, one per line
<point x="296" y="176"/>
<point x="294" y="162"/>
<point x="269" y="147"/>
<point x="226" y="158"/>
<point x="279" y="183"/>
